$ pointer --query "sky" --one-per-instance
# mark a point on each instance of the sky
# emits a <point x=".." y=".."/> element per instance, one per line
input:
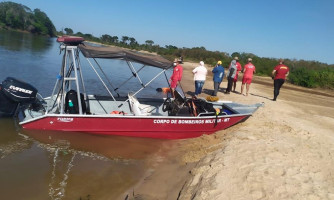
<point x="293" y="29"/>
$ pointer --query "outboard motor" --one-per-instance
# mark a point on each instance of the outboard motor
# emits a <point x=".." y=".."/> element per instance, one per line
<point x="14" y="93"/>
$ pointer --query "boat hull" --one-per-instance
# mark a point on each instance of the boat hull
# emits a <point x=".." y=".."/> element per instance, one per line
<point x="152" y="127"/>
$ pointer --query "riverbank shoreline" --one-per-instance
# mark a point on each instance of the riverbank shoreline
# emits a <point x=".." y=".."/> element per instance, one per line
<point x="282" y="151"/>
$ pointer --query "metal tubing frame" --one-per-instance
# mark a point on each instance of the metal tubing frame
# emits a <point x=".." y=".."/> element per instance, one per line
<point x="105" y="75"/>
<point x="71" y="58"/>
<point x="76" y="68"/>
<point x="129" y="64"/>
<point x="129" y="78"/>
<point x="134" y="71"/>
<point x="150" y="81"/>
<point x="112" y="96"/>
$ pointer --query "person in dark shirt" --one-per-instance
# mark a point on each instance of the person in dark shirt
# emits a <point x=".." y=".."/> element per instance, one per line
<point x="218" y="75"/>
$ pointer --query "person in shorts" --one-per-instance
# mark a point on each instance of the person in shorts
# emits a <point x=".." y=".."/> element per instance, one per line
<point x="249" y="70"/>
<point x="176" y="76"/>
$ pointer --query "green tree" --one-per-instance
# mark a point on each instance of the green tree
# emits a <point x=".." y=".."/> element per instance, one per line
<point x="133" y="42"/>
<point x="149" y="42"/>
<point x="235" y="54"/>
<point x="68" y="31"/>
<point x="106" y="38"/>
<point x="125" y="40"/>
<point x="17" y="16"/>
<point x="114" y="39"/>
<point x="43" y="23"/>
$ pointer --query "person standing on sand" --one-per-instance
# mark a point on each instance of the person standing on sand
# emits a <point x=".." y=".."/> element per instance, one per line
<point x="230" y="75"/>
<point x="279" y="75"/>
<point x="236" y="75"/>
<point x="218" y="75"/>
<point x="176" y="76"/>
<point x="249" y="70"/>
<point x="199" y="77"/>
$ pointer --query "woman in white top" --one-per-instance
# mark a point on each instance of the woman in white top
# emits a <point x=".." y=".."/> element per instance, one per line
<point x="199" y="77"/>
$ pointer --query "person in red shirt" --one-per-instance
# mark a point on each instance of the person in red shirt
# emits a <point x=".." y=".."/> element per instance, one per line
<point x="236" y="75"/>
<point x="279" y="75"/>
<point x="249" y="70"/>
<point x="176" y="76"/>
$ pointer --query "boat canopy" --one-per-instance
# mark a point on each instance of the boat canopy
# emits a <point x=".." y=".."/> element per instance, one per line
<point x="129" y="55"/>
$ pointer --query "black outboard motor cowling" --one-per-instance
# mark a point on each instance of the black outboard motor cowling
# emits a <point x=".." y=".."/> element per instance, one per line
<point x="13" y="93"/>
<point x="19" y="91"/>
<point x="7" y="106"/>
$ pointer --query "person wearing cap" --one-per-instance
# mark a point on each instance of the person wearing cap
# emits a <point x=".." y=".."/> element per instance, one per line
<point x="199" y="77"/>
<point x="218" y="75"/>
<point x="176" y="76"/>
<point x="236" y="75"/>
<point x="249" y="70"/>
<point x="231" y="74"/>
<point x="279" y="75"/>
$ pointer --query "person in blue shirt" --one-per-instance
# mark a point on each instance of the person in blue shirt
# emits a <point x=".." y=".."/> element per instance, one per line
<point x="218" y="75"/>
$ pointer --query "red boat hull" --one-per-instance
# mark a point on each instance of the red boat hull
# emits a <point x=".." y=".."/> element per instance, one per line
<point x="163" y="128"/>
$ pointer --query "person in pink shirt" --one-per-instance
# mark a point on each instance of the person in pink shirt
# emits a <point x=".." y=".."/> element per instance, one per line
<point x="199" y="77"/>
<point x="249" y="70"/>
<point x="236" y="75"/>
<point x="176" y="76"/>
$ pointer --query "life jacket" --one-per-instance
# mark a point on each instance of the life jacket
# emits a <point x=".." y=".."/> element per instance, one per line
<point x="117" y="112"/>
<point x="165" y="90"/>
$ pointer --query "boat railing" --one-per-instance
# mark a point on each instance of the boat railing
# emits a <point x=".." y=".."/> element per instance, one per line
<point x="206" y="114"/>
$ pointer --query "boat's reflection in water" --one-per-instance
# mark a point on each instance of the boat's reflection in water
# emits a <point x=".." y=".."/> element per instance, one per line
<point x="112" y="147"/>
<point x="11" y="141"/>
<point x="60" y="165"/>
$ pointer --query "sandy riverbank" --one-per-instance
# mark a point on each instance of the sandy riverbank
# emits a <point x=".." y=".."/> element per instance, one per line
<point x="284" y="151"/>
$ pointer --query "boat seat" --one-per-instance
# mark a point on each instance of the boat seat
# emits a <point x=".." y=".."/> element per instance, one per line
<point x="178" y="99"/>
<point x="138" y="108"/>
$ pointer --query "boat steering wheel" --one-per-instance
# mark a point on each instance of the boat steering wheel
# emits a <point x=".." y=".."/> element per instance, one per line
<point x="166" y="104"/>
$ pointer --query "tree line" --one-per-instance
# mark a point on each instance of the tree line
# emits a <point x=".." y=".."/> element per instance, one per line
<point x="304" y="73"/>
<point x="19" y="17"/>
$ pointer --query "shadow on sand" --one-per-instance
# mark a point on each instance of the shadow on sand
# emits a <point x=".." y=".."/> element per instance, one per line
<point x="261" y="96"/>
<point x="207" y="91"/>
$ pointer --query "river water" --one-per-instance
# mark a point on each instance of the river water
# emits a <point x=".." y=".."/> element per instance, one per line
<point x="55" y="165"/>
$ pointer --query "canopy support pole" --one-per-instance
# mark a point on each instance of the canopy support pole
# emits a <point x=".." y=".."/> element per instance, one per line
<point x="112" y="96"/>
<point x="105" y="76"/>
<point x="144" y="86"/>
<point x="134" y="75"/>
<point x="150" y="82"/>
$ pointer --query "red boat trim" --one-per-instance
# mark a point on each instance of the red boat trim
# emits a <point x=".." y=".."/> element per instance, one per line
<point x="72" y="40"/>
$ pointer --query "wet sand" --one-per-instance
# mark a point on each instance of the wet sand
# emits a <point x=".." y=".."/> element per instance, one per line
<point x="284" y="151"/>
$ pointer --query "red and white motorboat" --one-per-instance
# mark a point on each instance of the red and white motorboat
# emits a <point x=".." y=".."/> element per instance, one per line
<point x="71" y="109"/>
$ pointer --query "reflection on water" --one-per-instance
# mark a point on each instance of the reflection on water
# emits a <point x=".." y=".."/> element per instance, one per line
<point x="112" y="147"/>
<point x="17" y="41"/>
<point x="10" y="141"/>
<point x="55" y="165"/>
<point x="33" y="59"/>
